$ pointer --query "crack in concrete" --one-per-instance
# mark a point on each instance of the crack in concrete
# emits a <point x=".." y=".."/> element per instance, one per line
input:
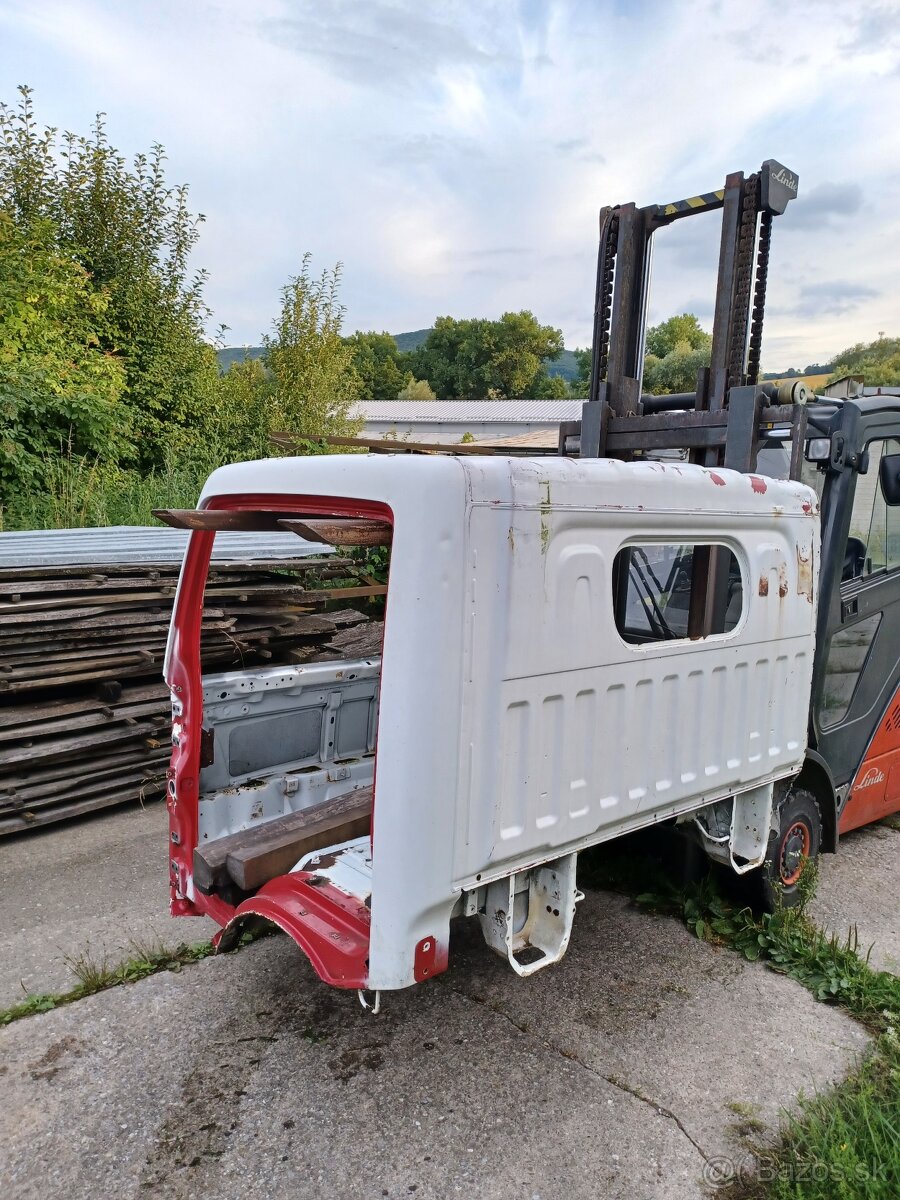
<point x="570" y="1056"/>
<point x="660" y="1109"/>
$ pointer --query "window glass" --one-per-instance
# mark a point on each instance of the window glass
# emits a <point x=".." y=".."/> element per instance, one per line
<point x="847" y="656"/>
<point x="891" y="517"/>
<point x="653" y="585"/>
<point x="874" y="541"/>
<point x="775" y="461"/>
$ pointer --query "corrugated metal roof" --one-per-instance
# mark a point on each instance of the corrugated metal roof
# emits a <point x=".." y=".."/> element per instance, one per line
<point x="141" y="544"/>
<point x="468" y="411"/>
<point x="535" y="439"/>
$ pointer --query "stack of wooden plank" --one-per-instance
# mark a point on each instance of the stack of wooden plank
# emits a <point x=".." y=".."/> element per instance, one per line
<point x="84" y="716"/>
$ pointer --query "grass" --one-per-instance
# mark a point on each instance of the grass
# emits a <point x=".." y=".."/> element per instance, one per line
<point x="841" y="1144"/>
<point x="79" y="492"/>
<point x="144" y="959"/>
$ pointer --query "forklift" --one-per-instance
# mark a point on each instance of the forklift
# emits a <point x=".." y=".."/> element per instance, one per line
<point x="686" y="616"/>
<point x="847" y="450"/>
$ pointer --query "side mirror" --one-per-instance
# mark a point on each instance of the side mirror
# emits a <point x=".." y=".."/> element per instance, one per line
<point x="890" y="478"/>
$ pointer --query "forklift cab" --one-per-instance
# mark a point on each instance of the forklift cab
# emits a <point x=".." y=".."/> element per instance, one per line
<point x="855" y="710"/>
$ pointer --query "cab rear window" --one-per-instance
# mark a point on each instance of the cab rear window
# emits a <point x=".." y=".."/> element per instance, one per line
<point x="666" y="592"/>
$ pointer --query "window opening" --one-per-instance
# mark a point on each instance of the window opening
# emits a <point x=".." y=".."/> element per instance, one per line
<point x="658" y="586"/>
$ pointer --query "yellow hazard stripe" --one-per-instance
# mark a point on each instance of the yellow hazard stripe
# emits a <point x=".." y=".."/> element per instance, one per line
<point x="694" y="203"/>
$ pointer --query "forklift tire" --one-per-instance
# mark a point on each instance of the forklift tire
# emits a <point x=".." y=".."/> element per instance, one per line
<point x="798" y="837"/>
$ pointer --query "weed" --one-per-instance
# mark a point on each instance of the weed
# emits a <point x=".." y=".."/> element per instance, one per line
<point x="748" y="1124"/>
<point x="145" y="959"/>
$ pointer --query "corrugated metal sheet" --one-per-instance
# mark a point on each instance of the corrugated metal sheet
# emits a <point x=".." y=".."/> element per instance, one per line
<point x="141" y="544"/>
<point x="537" y="439"/>
<point x="469" y="411"/>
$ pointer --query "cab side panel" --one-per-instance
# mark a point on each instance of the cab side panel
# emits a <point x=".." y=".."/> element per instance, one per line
<point x="875" y="791"/>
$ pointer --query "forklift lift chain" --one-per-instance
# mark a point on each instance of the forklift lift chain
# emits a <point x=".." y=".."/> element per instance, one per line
<point x="609" y="235"/>
<point x="743" y="277"/>
<point x="759" y="296"/>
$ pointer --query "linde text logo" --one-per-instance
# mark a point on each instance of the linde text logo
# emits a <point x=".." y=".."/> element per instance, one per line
<point x="783" y="175"/>
<point x="871" y="777"/>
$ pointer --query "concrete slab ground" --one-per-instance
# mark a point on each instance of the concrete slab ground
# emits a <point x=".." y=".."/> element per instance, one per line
<point x="860" y="887"/>
<point x="88" y="885"/>
<point x="613" y="1074"/>
<point x="610" y="1075"/>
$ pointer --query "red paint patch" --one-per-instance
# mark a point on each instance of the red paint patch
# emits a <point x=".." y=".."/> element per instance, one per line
<point x="807" y="507"/>
<point x="428" y="960"/>
<point x="758" y="485"/>
<point x="717" y="479"/>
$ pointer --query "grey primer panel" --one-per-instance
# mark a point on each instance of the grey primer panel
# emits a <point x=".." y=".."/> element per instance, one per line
<point x="289" y="718"/>
<point x="353" y="727"/>
<point x="260" y="744"/>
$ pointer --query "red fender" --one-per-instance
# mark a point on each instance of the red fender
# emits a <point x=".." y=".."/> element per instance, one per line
<point x="330" y="926"/>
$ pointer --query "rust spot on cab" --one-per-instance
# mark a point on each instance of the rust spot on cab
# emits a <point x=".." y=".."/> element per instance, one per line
<point x="804" y="572"/>
<point x="764" y="585"/>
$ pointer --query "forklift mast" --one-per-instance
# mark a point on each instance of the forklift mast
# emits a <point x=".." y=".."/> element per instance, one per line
<point x="726" y="420"/>
<point x="723" y="422"/>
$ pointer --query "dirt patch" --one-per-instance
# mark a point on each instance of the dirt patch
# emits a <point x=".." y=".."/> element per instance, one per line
<point x="50" y="1063"/>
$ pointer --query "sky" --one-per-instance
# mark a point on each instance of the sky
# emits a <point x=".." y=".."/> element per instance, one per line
<point x="454" y="156"/>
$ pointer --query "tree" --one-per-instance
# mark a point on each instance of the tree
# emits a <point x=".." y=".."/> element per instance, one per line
<point x="670" y="335"/>
<point x="416" y="389"/>
<point x="132" y="233"/>
<point x="676" y="351"/>
<point x="547" y="387"/>
<point x="877" y="362"/>
<point x="676" y="372"/>
<point x="376" y="360"/>
<point x="58" y="388"/>
<point x="312" y="385"/>
<point x="236" y="425"/>
<point x="478" y="359"/>
<point x="581" y="385"/>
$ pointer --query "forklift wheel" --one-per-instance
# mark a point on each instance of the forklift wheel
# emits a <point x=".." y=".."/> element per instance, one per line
<point x="798" y="837"/>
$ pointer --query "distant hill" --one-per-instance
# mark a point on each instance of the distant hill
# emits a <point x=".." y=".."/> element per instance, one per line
<point x="565" y="365"/>
<point x="233" y="354"/>
<point x="411" y="341"/>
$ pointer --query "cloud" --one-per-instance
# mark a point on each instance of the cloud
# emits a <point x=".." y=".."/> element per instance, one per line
<point x="831" y="298"/>
<point x="455" y="157"/>
<point x="426" y="149"/>
<point x="873" y="29"/>
<point x="383" y="44"/>
<point x="816" y="208"/>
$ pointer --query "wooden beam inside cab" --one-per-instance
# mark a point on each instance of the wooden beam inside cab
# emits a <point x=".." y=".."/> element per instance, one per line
<point x="216" y="519"/>
<point x="340" y="531"/>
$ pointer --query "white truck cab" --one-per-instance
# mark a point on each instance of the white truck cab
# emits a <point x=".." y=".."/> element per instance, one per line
<point x="547" y="682"/>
